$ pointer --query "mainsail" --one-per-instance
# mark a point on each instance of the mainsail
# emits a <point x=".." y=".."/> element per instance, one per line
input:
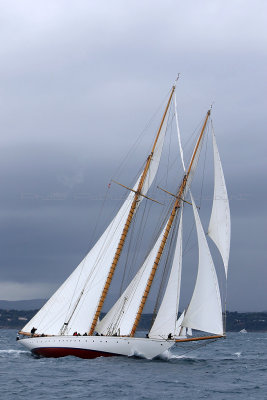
<point x="73" y="306"/>
<point x="220" y="224"/>
<point x="204" y="311"/>
<point x="166" y="320"/>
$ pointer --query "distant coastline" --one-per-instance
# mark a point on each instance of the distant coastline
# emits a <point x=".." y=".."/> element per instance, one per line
<point x="235" y="321"/>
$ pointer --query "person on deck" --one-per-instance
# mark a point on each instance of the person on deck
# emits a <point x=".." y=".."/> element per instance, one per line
<point x="33" y="330"/>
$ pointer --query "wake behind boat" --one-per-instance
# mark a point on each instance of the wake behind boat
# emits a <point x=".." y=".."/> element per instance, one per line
<point x="69" y="324"/>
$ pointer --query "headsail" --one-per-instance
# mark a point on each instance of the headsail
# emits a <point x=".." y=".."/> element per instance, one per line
<point x="205" y="310"/>
<point x="220" y="225"/>
<point x="74" y="304"/>
<point x="120" y="318"/>
<point x="166" y="320"/>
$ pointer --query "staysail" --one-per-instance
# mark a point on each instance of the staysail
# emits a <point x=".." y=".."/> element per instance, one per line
<point x="166" y="320"/>
<point x="204" y="311"/>
<point x="220" y="225"/>
<point x="119" y="320"/>
<point x="74" y="304"/>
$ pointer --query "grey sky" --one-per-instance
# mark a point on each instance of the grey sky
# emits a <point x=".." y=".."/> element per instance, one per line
<point x="78" y="82"/>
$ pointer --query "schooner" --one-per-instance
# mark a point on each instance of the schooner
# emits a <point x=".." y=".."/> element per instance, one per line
<point x="76" y="306"/>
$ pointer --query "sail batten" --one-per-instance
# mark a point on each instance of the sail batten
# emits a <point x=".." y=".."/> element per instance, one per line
<point x="204" y="311"/>
<point x="220" y="225"/>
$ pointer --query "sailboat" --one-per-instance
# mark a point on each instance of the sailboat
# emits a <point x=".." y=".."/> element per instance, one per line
<point x="71" y="323"/>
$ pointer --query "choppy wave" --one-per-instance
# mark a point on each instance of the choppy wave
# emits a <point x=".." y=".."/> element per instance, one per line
<point x="12" y="351"/>
<point x="231" y="369"/>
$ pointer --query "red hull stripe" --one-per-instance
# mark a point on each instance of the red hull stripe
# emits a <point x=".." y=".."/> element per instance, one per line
<point x="68" y="351"/>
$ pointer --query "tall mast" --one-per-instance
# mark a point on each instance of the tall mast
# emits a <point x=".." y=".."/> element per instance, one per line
<point x="137" y="195"/>
<point x="175" y="209"/>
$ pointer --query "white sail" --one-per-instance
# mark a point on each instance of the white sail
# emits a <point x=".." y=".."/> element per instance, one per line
<point x="165" y="322"/>
<point x="178" y="325"/>
<point x="183" y="331"/>
<point x="178" y="133"/>
<point x="75" y="302"/>
<point x="204" y="311"/>
<point x="220" y="224"/>
<point x="120" y="318"/>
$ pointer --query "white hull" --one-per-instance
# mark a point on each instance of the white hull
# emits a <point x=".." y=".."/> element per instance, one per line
<point x="96" y="346"/>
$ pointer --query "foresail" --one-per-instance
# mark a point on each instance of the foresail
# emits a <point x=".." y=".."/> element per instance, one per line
<point x="220" y="225"/>
<point x="204" y="311"/>
<point x="165" y="322"/>
<point x="81" y="284"/>
<point x="73" y="306"/>
<point x="119" y="320"/>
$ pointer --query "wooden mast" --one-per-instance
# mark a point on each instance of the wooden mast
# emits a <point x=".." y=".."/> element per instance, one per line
<point x="128" y="222"/>
<point x="176" y="207"/>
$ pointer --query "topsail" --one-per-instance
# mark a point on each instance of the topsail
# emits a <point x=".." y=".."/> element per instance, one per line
<point x="220" y="224"/>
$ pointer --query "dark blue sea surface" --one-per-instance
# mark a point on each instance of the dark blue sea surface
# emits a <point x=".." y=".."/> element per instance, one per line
<point x="234" y="368"/>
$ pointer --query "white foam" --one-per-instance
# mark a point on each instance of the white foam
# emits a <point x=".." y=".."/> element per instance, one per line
<point x="13" y="351"/>
<point x="238" y="354"/>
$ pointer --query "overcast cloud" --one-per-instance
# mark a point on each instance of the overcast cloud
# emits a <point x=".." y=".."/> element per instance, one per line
<point x="78" y="82"/>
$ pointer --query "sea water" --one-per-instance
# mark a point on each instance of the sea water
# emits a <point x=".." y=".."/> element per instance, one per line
<point x="234" y="368"/>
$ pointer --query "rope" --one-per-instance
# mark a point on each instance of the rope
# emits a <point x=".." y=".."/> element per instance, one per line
<point x="165" y="270"/>
<point x="200" y="345"/>
<point x="134" y="146"/>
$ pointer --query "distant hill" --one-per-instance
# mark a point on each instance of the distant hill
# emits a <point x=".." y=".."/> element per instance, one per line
<point x="23" y="305"/>
<point x="252" y="322"/>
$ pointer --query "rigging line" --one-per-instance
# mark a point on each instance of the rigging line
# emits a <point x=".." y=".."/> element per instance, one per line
<point x="185" y="251"/>
<point x="193" y="224"/>
<point x="167" y="263"/>
<point x="204" y="165"/>
<point x="99" y="216"/>
<point x="120" y="167"/>
<point x="166" y="268"/>
<point x="131" y="293"/>
<point x="179" y="133"/>
<point x="169" y="152"/>
<point x="194" y="133"/>
<point x="83" y="262"/>
<point x="160" y="225"/>
<point x="47" y="309"/>
<point x="102" y="252"/>
<point x="202" y="344"/>
<point x="225" y="312"/>
<point x="190" y="248"/>
<point x="128" y="254"/>
<point x="90" y="247"/>
<point x="190" y="139"/>
<point x="139" y="239"/>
